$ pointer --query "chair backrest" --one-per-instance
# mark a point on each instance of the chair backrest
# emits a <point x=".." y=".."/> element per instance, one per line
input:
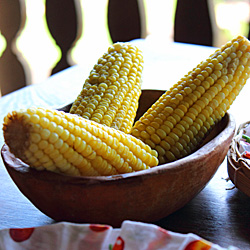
<point x="193" y="23"/>
<point x="12" y="73"/>
<point x="126" y="21"/>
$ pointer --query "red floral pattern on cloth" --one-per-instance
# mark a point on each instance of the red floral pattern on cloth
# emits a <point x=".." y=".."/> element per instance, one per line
<point x="21" y="234"/>
<point x="131" y="235"/>
<point x="98" y="228"/>
<point x="198" y="245"/>
<point x="119" y="244"/>
<point x="162" y="239"/>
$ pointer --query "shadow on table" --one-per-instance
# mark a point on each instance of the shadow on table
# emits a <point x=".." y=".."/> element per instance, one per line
<point x="238" y="212"/>
<point x="214" y="218"/>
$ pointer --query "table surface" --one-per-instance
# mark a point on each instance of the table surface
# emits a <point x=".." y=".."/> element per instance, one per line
<point x="218" y="213"/>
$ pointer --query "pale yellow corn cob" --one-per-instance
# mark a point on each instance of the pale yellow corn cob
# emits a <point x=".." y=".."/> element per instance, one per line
<point x="66" y="143"/>
<point x="111" y="92"/>
<point x="180" y="119"/>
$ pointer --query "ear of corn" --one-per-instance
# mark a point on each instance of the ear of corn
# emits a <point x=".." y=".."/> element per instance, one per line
<point x="66" y="143"/>
<point x="111" y="92"/>
<point x="179" y="120"/>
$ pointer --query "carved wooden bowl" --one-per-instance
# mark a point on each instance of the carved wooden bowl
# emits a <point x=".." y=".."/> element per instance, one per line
<point x="146" y="196"/>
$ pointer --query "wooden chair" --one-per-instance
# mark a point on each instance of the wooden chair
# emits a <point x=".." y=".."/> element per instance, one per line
<point x="193" y="23"/>
<point x="126" y="21"/>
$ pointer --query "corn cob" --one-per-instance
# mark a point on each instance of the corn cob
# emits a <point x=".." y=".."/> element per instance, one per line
<point x="180" y="119"/>
<point x="66" y="143"/>
<point x="111" y="92"/>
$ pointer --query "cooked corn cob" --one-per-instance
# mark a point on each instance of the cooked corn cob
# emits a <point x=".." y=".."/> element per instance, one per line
<point x="111" y="92"/>
<point x="63" y="142"/>
<point x="180" y="119"/>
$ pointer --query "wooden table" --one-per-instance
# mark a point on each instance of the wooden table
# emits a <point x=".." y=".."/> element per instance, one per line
<point x="218" y="213"/>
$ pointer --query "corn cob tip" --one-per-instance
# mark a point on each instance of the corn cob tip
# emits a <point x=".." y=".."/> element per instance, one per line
<point x="118" y="46"/>
<point x="15" y="135"/>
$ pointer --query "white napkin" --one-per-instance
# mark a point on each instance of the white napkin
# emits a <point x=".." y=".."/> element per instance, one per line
<point x="132" y="235"/>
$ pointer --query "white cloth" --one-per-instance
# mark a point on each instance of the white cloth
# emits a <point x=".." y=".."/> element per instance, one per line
<point x="132" y="235"/>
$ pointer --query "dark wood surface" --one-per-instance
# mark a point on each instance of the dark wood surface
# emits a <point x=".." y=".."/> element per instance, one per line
<point x="218" y="213"/>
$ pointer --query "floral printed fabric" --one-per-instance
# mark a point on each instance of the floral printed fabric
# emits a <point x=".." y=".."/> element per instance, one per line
<point x="131" y="235"/>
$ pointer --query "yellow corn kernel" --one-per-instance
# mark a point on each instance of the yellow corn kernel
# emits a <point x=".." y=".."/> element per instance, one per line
<point x="74" y="145"/>
<point x="197" y="102"/>
<point x="111" y="92"/>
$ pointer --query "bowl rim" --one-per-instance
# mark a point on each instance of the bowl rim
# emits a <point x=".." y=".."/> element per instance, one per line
<point x="199" y="154"/>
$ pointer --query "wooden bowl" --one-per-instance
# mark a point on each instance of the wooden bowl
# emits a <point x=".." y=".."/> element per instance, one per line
<point x="146" y="196"/>
<point x="237" y="166"/>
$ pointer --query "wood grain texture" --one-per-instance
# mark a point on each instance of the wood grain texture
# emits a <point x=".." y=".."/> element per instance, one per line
<point x="219" y="214"/>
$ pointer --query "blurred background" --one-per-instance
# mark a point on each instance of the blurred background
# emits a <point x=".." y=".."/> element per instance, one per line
<point x="230" y="18"/>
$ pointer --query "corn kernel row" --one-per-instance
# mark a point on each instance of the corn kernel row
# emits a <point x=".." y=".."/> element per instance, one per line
<point x="111" y="92"/>
<point x="180" y="119"/>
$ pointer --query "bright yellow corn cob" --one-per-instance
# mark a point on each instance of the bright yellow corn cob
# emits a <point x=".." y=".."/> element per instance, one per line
<point x="179" y="120"/>
<point x="63" y="142"/>
<point x="111" y="92"/>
